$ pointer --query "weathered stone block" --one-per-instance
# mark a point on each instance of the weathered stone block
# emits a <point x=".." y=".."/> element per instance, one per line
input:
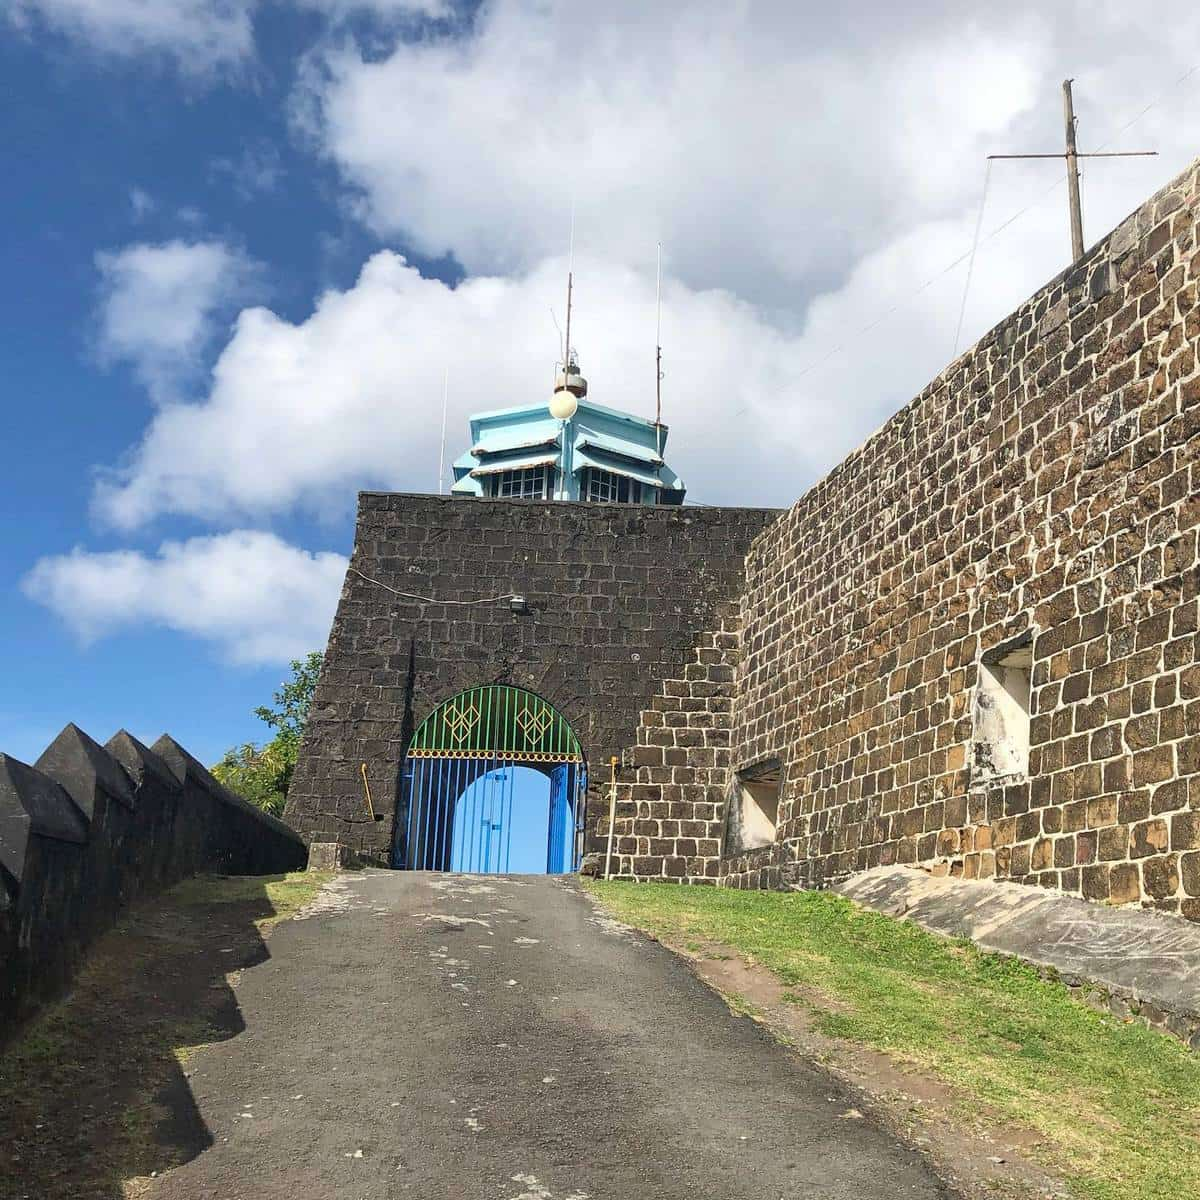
<point x="1148" y="837"/>
<point x="1185" y="831"/>
<point x="1160" y="876"/>
<point x="1124" y="884"/>
<point x="1094" y="882"/>
<point x="331" y="856"/>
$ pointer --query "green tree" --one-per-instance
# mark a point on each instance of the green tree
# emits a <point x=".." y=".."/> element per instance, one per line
<point x="262" y="774"/>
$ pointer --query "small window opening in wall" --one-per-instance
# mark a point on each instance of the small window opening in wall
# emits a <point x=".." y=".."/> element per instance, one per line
<point x="753" y="809"/>
<point x="1000" y="741"/>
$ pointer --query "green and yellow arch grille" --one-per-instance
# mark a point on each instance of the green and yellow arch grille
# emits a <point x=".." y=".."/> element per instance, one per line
<point x="506" y="723"/>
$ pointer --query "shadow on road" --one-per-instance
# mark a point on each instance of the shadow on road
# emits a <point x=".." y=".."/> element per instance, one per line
<point x="94" y="1091"/>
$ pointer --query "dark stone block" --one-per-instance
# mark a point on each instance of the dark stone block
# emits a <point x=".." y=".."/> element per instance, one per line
<point x="84" y="768"/>
<point x="139" y="761"/>
<point x="32" y="804"/>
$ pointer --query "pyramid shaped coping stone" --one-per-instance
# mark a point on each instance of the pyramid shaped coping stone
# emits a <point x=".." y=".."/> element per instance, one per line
<point x="183" y="764"/>
<point x="140" y="761"/>
<point x="32" y="803"/>
<point x="83" y="767"/>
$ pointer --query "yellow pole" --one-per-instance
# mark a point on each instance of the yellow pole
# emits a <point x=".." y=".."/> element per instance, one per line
<point x="367" y="790"/>
<point x="612" y="815"/>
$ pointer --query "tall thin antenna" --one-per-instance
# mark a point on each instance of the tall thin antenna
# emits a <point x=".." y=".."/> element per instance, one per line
<point x="442" y="454"/>
<point x="564" y="450"/>
<point x="658" y="371"/>
<point x="570" y="280"/>
<point x="658" y="340"/>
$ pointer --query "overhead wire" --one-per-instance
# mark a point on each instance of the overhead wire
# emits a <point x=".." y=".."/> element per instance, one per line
<point x="962" y="309"/>
<point x="430" y="599"/>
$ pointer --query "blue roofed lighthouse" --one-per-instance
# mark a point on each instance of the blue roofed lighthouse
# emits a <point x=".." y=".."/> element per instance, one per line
<point x="569" y="449"/>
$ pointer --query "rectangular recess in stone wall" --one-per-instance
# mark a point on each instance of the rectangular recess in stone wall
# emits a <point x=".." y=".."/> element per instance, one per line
<point x="752" y="810"/>
<point x="1000" y="713"/>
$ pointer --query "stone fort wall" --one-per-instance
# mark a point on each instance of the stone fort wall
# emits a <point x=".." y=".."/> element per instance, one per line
<point x="88" y="829"/>
<point x="1045" y="488"/>
<point x="618" y="598"/>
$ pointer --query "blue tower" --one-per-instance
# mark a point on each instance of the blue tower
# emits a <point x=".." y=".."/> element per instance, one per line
<point x="571" y="449"/>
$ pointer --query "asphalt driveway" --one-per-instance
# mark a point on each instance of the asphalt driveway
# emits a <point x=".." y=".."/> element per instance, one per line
<point x="496" y="1038"/>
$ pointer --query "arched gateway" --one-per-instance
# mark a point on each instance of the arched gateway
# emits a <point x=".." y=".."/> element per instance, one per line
<point x="494" y="781"/>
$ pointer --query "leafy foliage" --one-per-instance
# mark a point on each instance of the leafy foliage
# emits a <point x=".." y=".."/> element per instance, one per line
<point x="262" y="774"/>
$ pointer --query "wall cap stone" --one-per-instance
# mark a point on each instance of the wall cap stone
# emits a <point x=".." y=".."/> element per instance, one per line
<point x="1149" y="960"/>
<point x="81" y="766"/>
<point x="184" y="765"/>
<point x="140" y="761"/>
<point x="33" y="804"/>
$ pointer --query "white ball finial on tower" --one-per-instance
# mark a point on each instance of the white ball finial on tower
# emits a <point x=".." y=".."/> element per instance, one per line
<point x="563" y="405"/>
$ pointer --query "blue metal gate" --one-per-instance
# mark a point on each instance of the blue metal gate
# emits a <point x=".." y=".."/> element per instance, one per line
<point x="494" y="781"/>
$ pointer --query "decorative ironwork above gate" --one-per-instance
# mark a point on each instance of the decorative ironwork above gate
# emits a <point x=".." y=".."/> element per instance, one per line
<point x="507" y="723"/>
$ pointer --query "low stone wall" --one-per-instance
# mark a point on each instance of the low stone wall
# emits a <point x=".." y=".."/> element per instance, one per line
<point x="1137" y="965"/>
<point x="89" y="828"/>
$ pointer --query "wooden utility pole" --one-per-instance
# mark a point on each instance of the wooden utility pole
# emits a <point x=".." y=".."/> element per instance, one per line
<point x="1073" y="174"/>
<point x="1072" y="157"/>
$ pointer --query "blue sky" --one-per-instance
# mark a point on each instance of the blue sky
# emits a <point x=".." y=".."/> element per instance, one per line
<point x="85" y="134"/>
<point x="245" y="239"/>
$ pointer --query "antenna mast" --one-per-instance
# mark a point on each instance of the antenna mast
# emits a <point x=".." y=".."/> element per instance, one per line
<point x="568" y="387"/>
<point x="570" y="280"/>
<point x="1072" y="157"/>
<point x="658" y="372"/>
<point x="442" y="452"/>
<point x="658" y="340"/>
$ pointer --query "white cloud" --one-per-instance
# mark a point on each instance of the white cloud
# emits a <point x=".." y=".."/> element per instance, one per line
<point x="807" y="174"/>
<point x="256" y="598"/>
<point x="256" y="171"/>
<point x="141" y="204"/>
<point x="805" y="182"/>
<point x="762" y="400"/>
<point x="199" y="35"/>
<point x="159" y="304"/>
<point x="301" y="415"/>
<point x="763" y="148"/>
<point x="340" y="9"/>
<point x="770" y="146"/>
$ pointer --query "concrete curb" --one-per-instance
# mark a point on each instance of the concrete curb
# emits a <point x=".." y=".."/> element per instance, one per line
<point x="1131" y="961"/>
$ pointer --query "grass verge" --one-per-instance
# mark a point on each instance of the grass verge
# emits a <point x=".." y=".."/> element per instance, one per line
<point x="93" y="1090"/>
<point x="1118" y="1104"/>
